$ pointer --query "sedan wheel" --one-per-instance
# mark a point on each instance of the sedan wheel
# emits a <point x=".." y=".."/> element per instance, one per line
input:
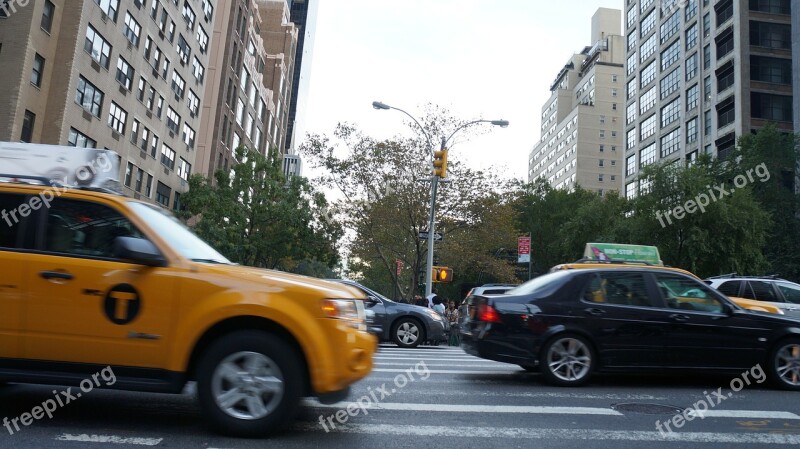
<point x="567" y="360"/>
<point x="784" y="365"/>
<point x="249" y="383"/>
<point x="408" y="333"/>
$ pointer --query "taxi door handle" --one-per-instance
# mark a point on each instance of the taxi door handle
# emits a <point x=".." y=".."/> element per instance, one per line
<point x="60" y="275"/>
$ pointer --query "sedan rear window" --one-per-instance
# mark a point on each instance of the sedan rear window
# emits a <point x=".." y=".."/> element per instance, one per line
<point x="539" y="284"/>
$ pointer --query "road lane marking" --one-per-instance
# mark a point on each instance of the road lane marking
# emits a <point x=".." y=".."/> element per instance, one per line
<point x="557" y="434"/>
<point x="755" y="414"/>
<point x="106" y="439"/>
<point x="528" y="409"/>
<point x="446" y="371"/>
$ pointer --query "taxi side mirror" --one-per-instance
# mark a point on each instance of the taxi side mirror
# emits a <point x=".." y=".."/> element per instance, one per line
<point x="139" y="251"/>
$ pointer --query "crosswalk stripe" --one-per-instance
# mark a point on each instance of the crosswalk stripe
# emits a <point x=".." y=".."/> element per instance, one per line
<point x="459" y="408"/>
<point x="443" y="371"/>
<point x="107" y="439"/>
<point x="553" y="434"/>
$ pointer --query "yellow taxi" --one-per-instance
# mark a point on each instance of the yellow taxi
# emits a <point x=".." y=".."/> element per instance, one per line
<point x="93" y="281"/>
<point x="613" y="255"/>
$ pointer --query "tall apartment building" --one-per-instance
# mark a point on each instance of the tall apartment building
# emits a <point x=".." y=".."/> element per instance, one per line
<point x="581" y="140"/>
<point x="240" y="106"/>
<point x="700" y="74"/>
<point x="280" y="40"/>
<point x="304" y="16"/>
<point x="124" y="75"/>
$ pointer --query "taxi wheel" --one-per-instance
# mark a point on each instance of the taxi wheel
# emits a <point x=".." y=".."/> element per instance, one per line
<point x="567" y="360"/>
<point x="249" y="384"/>
<point x="408" y="333"/>
<point x="784" y="364"/>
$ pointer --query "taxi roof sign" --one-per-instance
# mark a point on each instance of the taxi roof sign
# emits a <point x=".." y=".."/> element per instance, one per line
<point x="623" y="253"/>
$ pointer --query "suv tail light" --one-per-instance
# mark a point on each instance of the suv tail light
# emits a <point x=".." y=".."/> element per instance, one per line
<point x="488" y="314"/>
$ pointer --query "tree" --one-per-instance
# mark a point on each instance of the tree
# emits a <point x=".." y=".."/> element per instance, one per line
<point x="385" y="192"/>
<point x="255" y="216"/>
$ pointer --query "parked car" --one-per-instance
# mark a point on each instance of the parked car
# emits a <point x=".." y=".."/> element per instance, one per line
<point x="571" y="323"/>
<point x="485" y="289"/>
<point x="96" y="281"/>
<point x="407" y="325"/>
<point x="770" y="289"/>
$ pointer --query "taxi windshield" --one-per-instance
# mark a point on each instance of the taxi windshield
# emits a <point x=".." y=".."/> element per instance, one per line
<point x="177" y="234"/>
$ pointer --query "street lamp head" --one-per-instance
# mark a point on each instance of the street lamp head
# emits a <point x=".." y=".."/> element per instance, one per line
<point x="500" y="123"/>
<point x="379" y="105"/>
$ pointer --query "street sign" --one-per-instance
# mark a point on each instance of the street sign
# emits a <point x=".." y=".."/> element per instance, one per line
<point x="437" y="236"/>
<point x="399" y="265"/>
<point x="523" y="249"/>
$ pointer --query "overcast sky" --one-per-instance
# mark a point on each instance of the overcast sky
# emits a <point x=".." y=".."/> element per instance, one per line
<point x="486" y="59"/>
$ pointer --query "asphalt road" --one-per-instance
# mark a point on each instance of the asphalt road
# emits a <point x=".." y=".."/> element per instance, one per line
<point x="439" y="397"/>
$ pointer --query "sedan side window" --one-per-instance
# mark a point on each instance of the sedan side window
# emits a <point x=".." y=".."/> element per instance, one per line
<point x="618" y="288"/>
<point x="687" y="294"/>
<point x="82" y="228"/>
<point x="790" y="291"/>
<point x="763" y="291"/>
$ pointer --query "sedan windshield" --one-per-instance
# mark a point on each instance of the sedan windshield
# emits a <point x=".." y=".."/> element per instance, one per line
<point x="177" y="234"/>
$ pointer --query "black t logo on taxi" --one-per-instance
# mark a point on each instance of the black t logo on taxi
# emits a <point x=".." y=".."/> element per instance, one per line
<point x="122" y="304"/>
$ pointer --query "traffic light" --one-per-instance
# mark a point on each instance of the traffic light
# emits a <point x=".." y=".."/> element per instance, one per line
<point x="442" y="274"/>
<point x="440" y="163"/>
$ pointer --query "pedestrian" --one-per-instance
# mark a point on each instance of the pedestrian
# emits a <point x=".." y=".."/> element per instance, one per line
<point x="420" y="301"/>
<point x="438" y="305"/>
<point x="451" y="314"/>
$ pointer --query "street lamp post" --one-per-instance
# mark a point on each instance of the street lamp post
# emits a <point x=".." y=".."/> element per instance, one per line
<point x="434" y="182"/>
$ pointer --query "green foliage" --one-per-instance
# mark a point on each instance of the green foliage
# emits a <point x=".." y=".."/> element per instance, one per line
<point x="255" y="216"/>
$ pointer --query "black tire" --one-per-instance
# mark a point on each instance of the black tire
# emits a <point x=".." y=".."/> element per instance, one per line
<point x="567" y="360"/>
<point x="408" y="333"/>
<point x="782" y="365"/>
<point x="275" y="380"/>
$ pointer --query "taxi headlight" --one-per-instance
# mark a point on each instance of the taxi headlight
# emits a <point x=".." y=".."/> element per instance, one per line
<point x="348" y="310"/>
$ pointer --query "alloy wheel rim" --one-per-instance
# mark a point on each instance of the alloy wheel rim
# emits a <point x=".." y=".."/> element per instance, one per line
<point x="569" y="359"/>
<point x="408" y="333"/>
<point x="787" y="364"/>
<point x="247" y="385"/>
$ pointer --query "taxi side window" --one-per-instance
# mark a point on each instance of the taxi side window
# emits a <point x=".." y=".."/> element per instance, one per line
<point x="83" y="228"/>
<point x="12" y="230"/>
<point x="686" y="294"/>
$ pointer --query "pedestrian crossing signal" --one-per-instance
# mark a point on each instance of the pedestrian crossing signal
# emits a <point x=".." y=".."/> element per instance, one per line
<point x="442" y="274"/>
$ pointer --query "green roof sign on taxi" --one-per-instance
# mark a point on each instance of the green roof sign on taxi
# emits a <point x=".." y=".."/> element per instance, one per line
<point x="622" y="252"/>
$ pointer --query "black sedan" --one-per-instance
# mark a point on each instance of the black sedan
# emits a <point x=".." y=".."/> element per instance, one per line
<point x="571" y="323"/>
<point x="405" y="324"/>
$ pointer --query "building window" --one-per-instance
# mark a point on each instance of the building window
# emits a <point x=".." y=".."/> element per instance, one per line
<point x="647" y="100"/>
<point x="771" y="6"/>
<point x="630" y="190"/>
<point x="632" y="40"/>
<point x="648" y="74"/>
<point x="648" y="127"/>
<point x="671" y="112"/>
<point x="648" y="48"/>
<point x="648" y="22"/>
<point x="153" y="145"/>
<point x="631" y="17"/>
<point x="162" y="194"/>
<point x="188" y="135"/>
<point x="725" y="42"/>
<point x="600" y="162"/>
<point x="208" y="10"/>
<point x="202" y="39"/>
<point x="117" y="118"/>
<point x="145" y="140"/>
<point x="79" y="139"/>
<point x="178" y="85"/>
<point x="647" y="155"/>
<point x="600" y="179"/>
<point x="184" y="51"/>
<point x="691" y="37"/>
<point x="184" y="169"/>
<point x="97" y="46"/>
<point x="135" y="131"/>
<point x="630" y="165"/>
<point x="148" y="187"/>
<point x="167" y="157"/>
<point x="670" y="83"/>
<point x="771" y="70"/>
<point x="770" y="35"/>
<point x="670" y="26"/>
<point x="109" y="7"/>
<point x="38" y="70"/>
<point x="47" y="15"/>
<point x="706" y="25"/>
<point x="173" y="120"/>
<point x="707" y="57"/>
<point x="692" y="95"/>
<point x="725" y="77"/>
<point x="239" y="111"/>
<point x="631" y="64"/>
<point x="671" y="54"/>
<point x="691" y="66"/>
<point x="139" y="180"/>
<point x="630" y="138"/>
<point x="198" y="70"/>
<point x="726" y="113"/>
<point x="188" y="15"/>
<point x="193" y="102"/>
<point x="129" y="174"/>
<point x="691" y="10"/>
<point x="724" y="11"/>
<point x="671" y="142"/>
<point x="89" y="97"/>
<point x="691" y="131"/>
<point x="630" y="90"/>
<point x="124" y="73"/>
<point x="132" y="29"/>
<point x="28" y="122"/>
<point x="707" y="123"/>
<point x="159" y="106"/>
<point x="772" y="107"/>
